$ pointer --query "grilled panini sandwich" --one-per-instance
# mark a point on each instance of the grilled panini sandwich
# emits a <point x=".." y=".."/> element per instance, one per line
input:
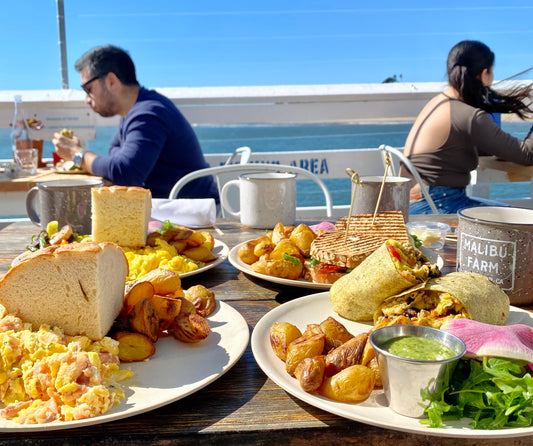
<point x="338" y="253"/>
<point x="386" y="225"/>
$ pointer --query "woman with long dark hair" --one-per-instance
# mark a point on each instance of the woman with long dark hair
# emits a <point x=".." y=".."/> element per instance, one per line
<point x="456" y="127"/>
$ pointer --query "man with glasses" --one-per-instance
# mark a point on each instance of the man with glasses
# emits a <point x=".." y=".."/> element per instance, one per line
<point x="154" y="145"/>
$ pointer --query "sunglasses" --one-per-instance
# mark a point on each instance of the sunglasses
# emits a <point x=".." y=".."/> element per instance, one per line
<point x="86" y="84"/>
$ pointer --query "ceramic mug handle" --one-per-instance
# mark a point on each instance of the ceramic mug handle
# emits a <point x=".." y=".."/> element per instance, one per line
<point x="224" y="197"/>
<point x="32" y="203"/>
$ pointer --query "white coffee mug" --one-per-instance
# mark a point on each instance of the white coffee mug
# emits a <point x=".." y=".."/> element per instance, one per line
<point x="265" y="199"/>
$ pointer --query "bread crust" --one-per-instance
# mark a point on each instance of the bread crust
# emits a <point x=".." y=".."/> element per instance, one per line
<point x="78" y="287"/>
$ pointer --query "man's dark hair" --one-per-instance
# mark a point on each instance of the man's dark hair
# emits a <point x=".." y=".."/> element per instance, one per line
<point x="108" y="59"/>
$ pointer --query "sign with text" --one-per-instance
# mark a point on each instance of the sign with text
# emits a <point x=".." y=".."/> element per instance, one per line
<point x="497" y="242"/>
<point x="495" y="259"/>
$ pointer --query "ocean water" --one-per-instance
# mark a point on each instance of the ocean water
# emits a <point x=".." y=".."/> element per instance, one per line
<point x="290" y="137"/>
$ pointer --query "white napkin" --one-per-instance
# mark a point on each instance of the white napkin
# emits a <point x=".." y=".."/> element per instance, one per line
<point x="193" y="213"/>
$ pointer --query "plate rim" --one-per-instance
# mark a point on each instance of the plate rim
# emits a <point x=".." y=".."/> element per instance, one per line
<point x="233" y="258"/>
<point x="238" y="345"/>
<point x="223" y="256"/>
<point x="263" y="356"/>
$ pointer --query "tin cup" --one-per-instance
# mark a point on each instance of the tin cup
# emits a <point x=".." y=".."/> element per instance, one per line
<point x="405" y="379"/>
<point x="64" y="201"/>
<point x="395" y="195"/>
<point x="497" y="242"/>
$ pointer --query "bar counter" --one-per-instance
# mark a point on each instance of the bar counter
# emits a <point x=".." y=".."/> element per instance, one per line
<point x="243" y="406"/>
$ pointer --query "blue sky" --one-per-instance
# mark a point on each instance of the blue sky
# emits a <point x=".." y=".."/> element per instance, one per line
<point x="202" y="43"/>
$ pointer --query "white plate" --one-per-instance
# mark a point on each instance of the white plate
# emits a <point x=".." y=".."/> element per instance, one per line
<point x="220" y="250"/>
<point x="374" y="411"/>
<point x="234" y="259"/>
<point x="175" y="371"/>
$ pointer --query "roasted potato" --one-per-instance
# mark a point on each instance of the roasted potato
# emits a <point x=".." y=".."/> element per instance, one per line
<point x="135" y="292"/>
<point x="186" y="305"/>
<point x="351" y="385"/>
<point x="246" y="252"/>
<point x="336" y="333"/>
<point x="302" y="237"/>
<point x="373" y="365"/>
<point x="167" y="310"/>
<point x="281" y="232"/>
<point x="209" y="242"/>
<point x="306" y="346"/>
<point x="179" y="245"/>
<point x="133" y="347"/>
<point x="195" y="239"/>
<point x="263" y="246"/>
<point x="190" y="328"/>
<point x="176" y="233"/>
<point x="310" y="373"/>
<point x="348" y="354"/>
<point x="278" y="268"/>
<point x="163" y="280"/>
<point x="202" y="298"/>
<point x="200" y="254"/>
<point x="144" y="319"/>
<point x="285" y="246"/>
<point x="281" y="335"/>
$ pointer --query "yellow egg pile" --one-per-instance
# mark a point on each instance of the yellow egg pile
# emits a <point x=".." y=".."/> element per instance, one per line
<point x="163" y="255"/>
<point x="46" y="376"/>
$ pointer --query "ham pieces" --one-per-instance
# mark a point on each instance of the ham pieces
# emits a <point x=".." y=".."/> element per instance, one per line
<point x="504" y="341"/>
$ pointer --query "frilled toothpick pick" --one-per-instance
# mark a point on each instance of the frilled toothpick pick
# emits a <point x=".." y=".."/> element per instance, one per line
<point x="387" y="166"/>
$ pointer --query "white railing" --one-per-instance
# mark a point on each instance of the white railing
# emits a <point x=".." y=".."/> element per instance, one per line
<point x="275" y="104"/>
<point x="237" y="105"/>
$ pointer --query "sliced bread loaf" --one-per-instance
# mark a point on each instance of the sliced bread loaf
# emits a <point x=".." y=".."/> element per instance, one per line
<point x="121" y="215"/>
<point x="78" y="287"/>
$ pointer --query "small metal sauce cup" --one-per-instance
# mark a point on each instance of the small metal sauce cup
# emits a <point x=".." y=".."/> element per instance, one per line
<point x="403" y="378"/>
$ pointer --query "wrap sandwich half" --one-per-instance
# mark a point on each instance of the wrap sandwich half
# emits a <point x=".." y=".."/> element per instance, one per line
<point x="390" y="269"/>
<point x="455" y="295"/>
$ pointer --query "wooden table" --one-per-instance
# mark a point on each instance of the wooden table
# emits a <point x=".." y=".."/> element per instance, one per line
<point x="243" y="406"/>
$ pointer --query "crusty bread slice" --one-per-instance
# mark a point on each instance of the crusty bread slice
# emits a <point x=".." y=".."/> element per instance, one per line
<point x="121" y="214"/>
<point x="78" y="287"/>
<point x="338" y="249"/>
<point x="386" y="225"/>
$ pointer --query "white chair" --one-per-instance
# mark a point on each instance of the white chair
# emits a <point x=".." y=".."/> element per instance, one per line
<point x="236" y="169"/>
<point x="244" y="152"/>
<point x="412" y="169"/>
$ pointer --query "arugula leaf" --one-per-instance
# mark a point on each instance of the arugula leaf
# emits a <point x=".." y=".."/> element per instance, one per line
<point x="494" y="392"/>
<point x="313" y="262"/>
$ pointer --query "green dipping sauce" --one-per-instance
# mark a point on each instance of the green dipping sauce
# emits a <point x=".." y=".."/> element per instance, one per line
<point x="415" y="347"/>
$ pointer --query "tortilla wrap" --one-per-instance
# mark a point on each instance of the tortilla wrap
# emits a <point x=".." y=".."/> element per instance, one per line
<point x="459" y="294"/>
<point x="358" y="294"/>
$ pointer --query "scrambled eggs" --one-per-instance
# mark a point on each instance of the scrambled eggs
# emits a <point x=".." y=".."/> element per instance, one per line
<point x="163" y="255"/>
<point x="46" y="376"/>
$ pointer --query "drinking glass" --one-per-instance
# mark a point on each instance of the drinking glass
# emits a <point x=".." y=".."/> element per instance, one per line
<point x="27" y="159"/>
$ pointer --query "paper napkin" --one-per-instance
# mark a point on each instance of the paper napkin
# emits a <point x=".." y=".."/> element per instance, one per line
<point x="193" y="213"/>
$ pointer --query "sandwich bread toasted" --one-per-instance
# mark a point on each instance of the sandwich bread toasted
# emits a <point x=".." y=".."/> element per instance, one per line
<point x="386" y="225"/>
<point x="338" y="253"/>
<point x="78" y="287"/>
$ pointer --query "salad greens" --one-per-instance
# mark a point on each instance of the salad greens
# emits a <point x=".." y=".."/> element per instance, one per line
<point x="494" y="392"/>
<point x="294" y="260"/>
